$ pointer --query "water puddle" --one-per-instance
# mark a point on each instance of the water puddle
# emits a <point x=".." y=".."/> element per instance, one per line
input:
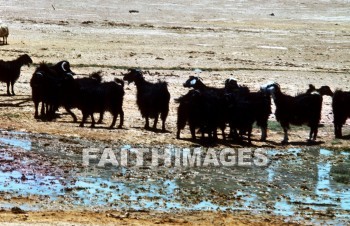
<point x="24" y="144"/>
<point x="15" y="139"/>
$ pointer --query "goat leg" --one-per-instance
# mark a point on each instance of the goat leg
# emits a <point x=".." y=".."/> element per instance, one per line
<point x="163" y="126"/>
<point x="263" y="134"/>
<point x="83" y="120"/>
<point x="285" y="139"/>
<point x="115" y="116"/>
<point x="249" y="135"/>
<point x="71" y="114"/>
<point x="178" y="134"/>
<point x="193" y="131"/>
<point x="163" y="116"/>
<point x="92" y="120"/>
<point x="315" y="134"/>
<point x="155" y="122"/>
<point x="12" y="89"/>
<point x="46" y="109"/>
<point x="42" y="111"/>
<point x="223" y="133"/>
<point x="121" y="112"/>
<point x="100" y="120"/>
<point x="8" y="88"/>
<point x="147" y="123"/>
<point x="310" y="135"/>
<point x="215" y="134"/>
<point x="36" y="106"/>
<point x="337" y="130"/>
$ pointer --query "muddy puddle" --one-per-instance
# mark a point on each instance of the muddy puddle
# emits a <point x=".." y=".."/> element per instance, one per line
<point x="45" y="172"/>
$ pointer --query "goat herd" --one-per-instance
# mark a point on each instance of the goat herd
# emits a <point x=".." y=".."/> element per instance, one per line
<point x="204" y="108"/>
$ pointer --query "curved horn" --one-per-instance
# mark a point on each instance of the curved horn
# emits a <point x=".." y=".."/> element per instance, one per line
<point x="63" y="66"/>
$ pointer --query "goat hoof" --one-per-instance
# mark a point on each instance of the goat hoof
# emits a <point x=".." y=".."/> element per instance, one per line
<point x="284" y="142"/>
<point x="81" y="125"/>
<point x="338" y="137"/>
<point x="309" y="141"/>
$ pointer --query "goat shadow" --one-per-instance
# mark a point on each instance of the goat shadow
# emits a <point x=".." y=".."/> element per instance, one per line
<point x="151" y="129"/>
<point x="296" y="143"/>
<point x="207" y="142"/>
<point x="104" y="127"/>
<point x="345" y="137"/>
<point x="15" y="102"/>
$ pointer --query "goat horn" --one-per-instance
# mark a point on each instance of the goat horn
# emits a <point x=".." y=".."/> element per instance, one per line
<point x="63" y="66"/>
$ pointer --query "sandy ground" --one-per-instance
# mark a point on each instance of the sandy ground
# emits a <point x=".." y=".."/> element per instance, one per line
<point x="137" y="218"/>
<point x="293" y="43"/>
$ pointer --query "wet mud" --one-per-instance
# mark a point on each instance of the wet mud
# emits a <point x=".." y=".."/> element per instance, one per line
<point x="45" y="172"/>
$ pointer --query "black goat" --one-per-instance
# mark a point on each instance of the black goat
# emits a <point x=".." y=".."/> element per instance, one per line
<point x="106" y="96"/>
<point x="11" y="70"/>
<point x="241" y="114"/>
<point x="196" y="83"/>
<point x="302" y="109"/>
<point x="323" y="90"/>
<point x="341" y="111"/>
<point x="71" y="94"/>
<point x="152" y="98"/>
<point x="200" y="110"/>
<point x="219" y="95"/>
<point x="245" y="108"/>
<point x="46" y="84"/>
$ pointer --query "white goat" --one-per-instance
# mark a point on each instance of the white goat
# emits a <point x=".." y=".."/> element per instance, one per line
<point x="4" y="33"/>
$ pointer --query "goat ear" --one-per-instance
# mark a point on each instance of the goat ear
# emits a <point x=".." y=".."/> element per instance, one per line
<point x="312" y="86"/>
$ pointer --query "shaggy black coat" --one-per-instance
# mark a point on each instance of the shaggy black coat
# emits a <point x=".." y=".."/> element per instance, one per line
<point x="304" y="108"/>
<point x="46" y="84"/>
<point x="152" y="98"/>
<point x="245" y="108"/>
<point x="217" y="94"/>
<point x="106" y="96"/>
<point x="71" y="95"/>
<point x="341" y="111"/>
<point x="11" y="70"/>
<point x="200" y="109"/>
